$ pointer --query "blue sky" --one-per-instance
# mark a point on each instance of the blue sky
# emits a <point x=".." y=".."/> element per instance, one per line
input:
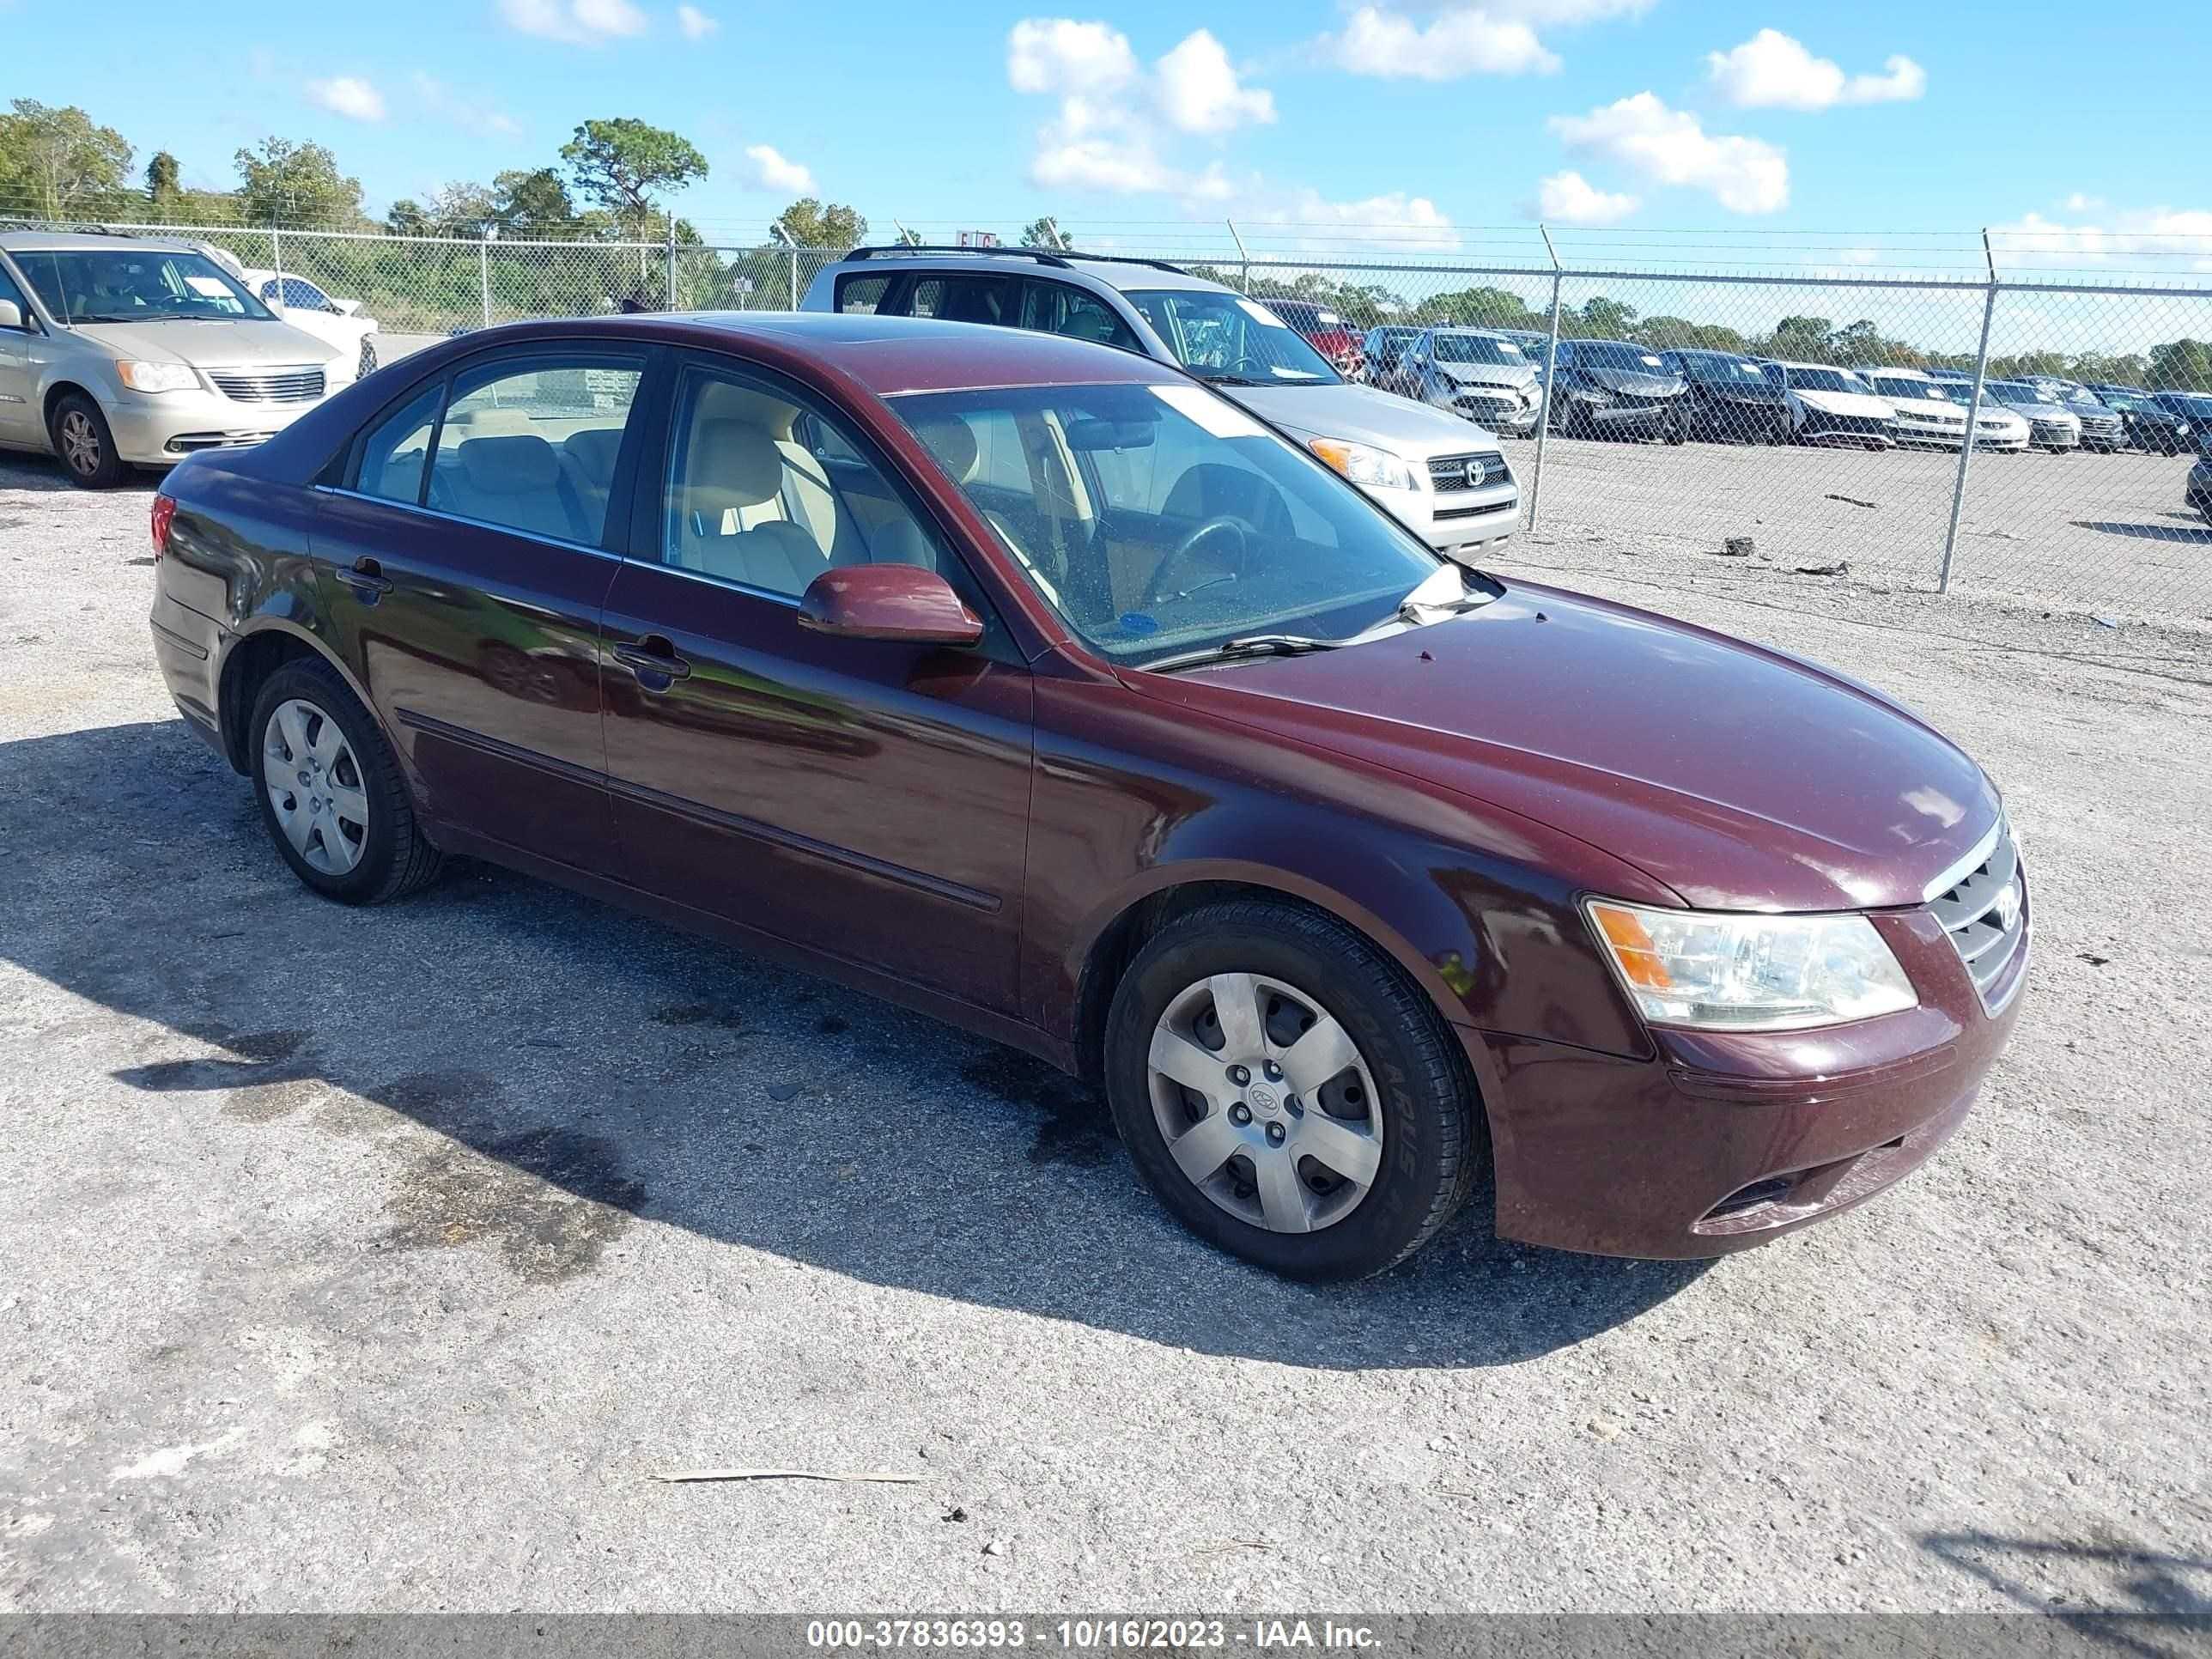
<point x="1710" y="116"/>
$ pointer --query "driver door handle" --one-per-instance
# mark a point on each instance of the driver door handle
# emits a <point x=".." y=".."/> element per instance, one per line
<point x="652" y="658"/>
<point x="367" y="578"/>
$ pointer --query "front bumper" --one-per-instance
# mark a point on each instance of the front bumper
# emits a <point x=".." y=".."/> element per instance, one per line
<point x="1499" y="412"/>
<point x="161" y="429"/>
<point x="1717" y="1143"/>
<point x="1623" y="414"/>
<point x="2053" y="434"/>
<point x="1742" y="421"/>
<point x="1942" y="434"/>
<point x="1819" y="425"/>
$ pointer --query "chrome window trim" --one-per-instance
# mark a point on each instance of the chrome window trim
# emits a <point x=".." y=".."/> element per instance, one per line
<point x="474" y="523"/>
<point x="1965" y="867"/>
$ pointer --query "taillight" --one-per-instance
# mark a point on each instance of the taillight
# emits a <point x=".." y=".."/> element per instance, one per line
<point x="165" y="510"/>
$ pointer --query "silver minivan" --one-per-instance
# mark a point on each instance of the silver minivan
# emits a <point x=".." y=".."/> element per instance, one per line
<point x="1441" y="476"/>
<point x="117" y="351"/>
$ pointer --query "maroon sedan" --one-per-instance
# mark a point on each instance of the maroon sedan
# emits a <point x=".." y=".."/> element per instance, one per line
<point x="1030" y="682"/>
<point x="1345" y="346"/>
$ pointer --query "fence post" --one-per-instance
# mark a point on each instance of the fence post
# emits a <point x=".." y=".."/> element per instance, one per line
<point x="484" y="271"/>
<point x="672" y="305"/>
<point x="1973" y="416"/>
<point x="276" y="257"/>
<point x="1243" y="282"/>
<point x="1550" y="375"/>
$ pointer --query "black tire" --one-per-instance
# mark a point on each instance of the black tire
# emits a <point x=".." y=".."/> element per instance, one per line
<point x="1432" y="1147"/>
<point x="395" y="858"/>
<point x="80" y="438"/>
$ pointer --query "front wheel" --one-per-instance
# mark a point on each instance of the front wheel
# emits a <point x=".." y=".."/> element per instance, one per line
<point x="86" y="448"/>
<point x="333" y="797"/>
<point x="1288" y="1093"/>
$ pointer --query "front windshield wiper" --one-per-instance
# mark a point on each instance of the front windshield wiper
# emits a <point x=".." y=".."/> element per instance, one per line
<point x="1250" y="645"/>
<point x="1215" y="377"/>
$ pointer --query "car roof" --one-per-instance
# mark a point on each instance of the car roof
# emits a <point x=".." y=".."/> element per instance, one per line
<point x="887" y="355"/>
<point x="1791" y="363"/>
<point x="70" y="242"/>
<point x="1118" y="274"/>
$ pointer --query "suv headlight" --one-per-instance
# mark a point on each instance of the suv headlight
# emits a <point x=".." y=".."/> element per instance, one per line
<point x="1374" y="469"/>
<point x="1749" y="973"/>
<point x="156" y="377"/>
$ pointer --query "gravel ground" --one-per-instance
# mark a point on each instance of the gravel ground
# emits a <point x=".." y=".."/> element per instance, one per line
<point x="376" y="1260"/>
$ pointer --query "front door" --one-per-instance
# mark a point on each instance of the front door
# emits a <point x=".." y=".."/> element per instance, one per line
<point x="866" y="798"/>
<point x="19" y="416"/>
<point x="464" y="568"/>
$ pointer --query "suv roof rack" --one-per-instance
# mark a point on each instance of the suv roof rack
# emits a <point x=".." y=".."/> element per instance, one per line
<point x="1042" y="256"/>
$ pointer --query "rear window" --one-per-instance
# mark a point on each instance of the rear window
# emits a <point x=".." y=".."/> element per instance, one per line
<point x="862" y="294"/>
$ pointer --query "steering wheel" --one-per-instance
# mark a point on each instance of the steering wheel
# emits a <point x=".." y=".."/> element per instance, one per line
<point x="1160" y="591"/>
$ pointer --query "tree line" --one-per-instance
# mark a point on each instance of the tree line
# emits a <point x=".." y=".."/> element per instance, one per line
<point x="613" y="182"/>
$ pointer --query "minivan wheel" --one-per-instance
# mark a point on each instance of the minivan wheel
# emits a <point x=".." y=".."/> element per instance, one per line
<point x="1288" y="1093"/>
<point x="81" y="437"/>
<point x="331" y="796"/>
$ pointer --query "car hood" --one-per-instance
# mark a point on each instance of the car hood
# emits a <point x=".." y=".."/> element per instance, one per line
<point x="1742" y="778"/>
<point x="248" y="341"/>
<point x="1360" y="415"/>
<point x="1845" y="402"/>
<point x="1506" y="375"/>
<point x="1926" y="409"/>
<point x="1632" y="382"/>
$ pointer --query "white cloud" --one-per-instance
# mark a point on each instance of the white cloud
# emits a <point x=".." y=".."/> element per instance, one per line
<point x="2182" y="236"/>
<point x="1112" y="112"/>
<point x="1199" y="91"/>
<point x="695" y="23"/>
<point x="1059" y="55"/>
<point x="1498" y="37"/>
<point x="1568" y="198"/>
<point x="1771" y="70"/>
<point x="1668" y="147"/>
<point x="2077" y="202"/>
<point x="440" y="100"/>
<point x="1397" y="220"/>
<point x="768" y="168"/>
<point x="578" y="22"/>
<point x="348" y="95"/>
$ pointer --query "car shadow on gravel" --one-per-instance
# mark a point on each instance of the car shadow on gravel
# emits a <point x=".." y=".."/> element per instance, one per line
<point x="2127" y="1596"/>
<point x="2153" y="532"/>
<point x="579" y="1069"/>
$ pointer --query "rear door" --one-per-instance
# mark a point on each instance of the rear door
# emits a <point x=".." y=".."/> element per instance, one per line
<point x="19" y="410"/>
<point x="867" y="798"/>
<point x="464" y="555"/>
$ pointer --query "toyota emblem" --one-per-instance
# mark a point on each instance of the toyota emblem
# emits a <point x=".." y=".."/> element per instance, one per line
<point x="1477" y="471"/>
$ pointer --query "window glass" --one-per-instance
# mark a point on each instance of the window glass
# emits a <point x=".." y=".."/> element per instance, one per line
<point x="1057" y="308"/>
<point x="9" y="291"/>
<point x="299" y="294"/>
<point x="964" y="298"/>
<point x="764" y="493"/>
<point x="1228" y="340"/>
<point x="134" y="285"/>
<point x="862" y="294"/>
<point x="1158" y="519"/>
<point x="393" y="455"/>
<point x="531" y="443"/>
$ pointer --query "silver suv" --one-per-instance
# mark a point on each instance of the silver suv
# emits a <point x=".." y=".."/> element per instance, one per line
<point x="117" y="351"/>
<point x="1442" y="477"/>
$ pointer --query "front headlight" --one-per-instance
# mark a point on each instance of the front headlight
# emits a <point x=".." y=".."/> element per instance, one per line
<point x="156" y="377"/>
<point x="1747" y="973"/>
<point x="1372" y="469"/>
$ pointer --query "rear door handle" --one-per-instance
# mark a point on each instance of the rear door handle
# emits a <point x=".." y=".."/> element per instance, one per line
<point x="653" y="658"/>
<point x="367" y="578"/>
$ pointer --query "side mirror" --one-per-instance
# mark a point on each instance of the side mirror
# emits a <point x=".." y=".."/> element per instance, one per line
<point x="11" y="314"/>
<point x="888" y="602"/>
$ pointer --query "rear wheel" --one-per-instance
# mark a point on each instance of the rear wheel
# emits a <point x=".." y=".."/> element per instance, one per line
<point x="1288" y="1093"/>
<point x="86" y="448"/>
<point x="331" y="795"/>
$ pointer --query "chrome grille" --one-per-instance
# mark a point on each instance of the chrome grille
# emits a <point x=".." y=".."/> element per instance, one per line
<point x="302" y="385"/>
<point x="1448" y="472"/>
<point x="1985" y="914"/>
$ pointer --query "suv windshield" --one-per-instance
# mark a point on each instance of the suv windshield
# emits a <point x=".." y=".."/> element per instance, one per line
<point x="1614" y="354"/>
<point x="1904" y="386"/>
<point x="135" y="285"/>
<point x="1477" y="349"/>
<point x="1218" y="336"/>
<point x="2019" y="392"/>
<point x="1711" y="366"/>
<point x="1161" y="519"/>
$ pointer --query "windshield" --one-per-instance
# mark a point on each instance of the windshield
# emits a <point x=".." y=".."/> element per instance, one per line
<point x="135" y="285"/>
<point x="2133" y="402"/>
<point x="1902" y="385"/>
<point x="1477" y="349"/>
<point x="2019" y="392"/>
<point x="1609" y="354"/>
<point x="1700" y="367"/>
<point x="1825" y="380"/>
<point x="2195" y="405"/>
<point x="1221" y="337"/>
<point x="1161" y="519"/>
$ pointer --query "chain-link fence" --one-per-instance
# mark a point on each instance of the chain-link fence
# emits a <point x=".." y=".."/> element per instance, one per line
<point x="1816" y="421"/>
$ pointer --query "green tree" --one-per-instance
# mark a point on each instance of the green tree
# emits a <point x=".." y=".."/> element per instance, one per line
<point x="2181" y="366"/>
<point x="55" y="162"/>
<point x="623" y="165"/>
<point x="1801" y="339"/>
<point x="1486" y="307"/>
<point x="1604" y="318"/>
<point x="532" y="201"/>
<point x="1680" y="334"/>
<point x="284" y="183"/>
<point x="164" y="182"/>
<point x="811" y="224"/>
<point x="1046" y="232"/>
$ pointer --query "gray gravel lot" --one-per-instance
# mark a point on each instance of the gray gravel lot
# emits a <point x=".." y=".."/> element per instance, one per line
<point x="376" y="1260"/>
